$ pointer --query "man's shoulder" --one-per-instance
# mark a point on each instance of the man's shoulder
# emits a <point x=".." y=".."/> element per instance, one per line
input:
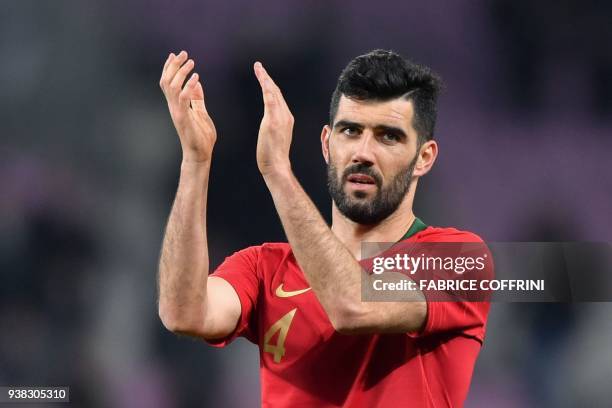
<point x="267" y="250"/>
<point x="259" y="257"/>
<point x="446" y="234"/>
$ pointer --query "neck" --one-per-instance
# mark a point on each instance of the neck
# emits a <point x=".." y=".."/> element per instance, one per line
<point x="391" y="229"/>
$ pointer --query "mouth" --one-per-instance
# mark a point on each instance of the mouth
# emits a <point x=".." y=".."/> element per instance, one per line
<point x="361" y="184"/>
<point x="359" y="178"/>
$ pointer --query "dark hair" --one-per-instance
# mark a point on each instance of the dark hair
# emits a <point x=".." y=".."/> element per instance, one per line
<point x="382" y="75"/>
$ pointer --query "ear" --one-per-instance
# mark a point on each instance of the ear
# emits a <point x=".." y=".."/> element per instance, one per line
<point x="426" y="159"/>
<point x="325" y="134"/>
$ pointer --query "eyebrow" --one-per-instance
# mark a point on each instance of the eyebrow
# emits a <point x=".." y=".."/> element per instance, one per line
<point x="346" y="124"/>
<point x="384" y="128"/>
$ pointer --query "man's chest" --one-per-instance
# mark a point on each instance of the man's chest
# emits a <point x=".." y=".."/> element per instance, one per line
<point x="290" y="319"/>
<point x="299" y="346"/>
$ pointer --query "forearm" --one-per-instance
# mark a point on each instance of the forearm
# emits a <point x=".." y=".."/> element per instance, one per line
<point x="183" y="265"/>
<point x="332" y="271"/>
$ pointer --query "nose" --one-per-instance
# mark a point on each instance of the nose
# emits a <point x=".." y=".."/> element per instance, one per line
<point x="364" y="150"/>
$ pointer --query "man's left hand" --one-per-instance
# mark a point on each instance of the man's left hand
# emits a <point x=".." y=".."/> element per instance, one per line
<point x="276" y="129"/>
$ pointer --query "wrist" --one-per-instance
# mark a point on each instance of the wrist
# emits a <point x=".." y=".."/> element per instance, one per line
<point x="195" y="168"/>
<point x="278" y="175"/>
<point x="191" y="159"/>
<point x="196" y="158"/>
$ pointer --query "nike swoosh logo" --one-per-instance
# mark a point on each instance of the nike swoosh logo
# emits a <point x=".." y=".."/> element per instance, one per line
<point x="282" y="294"/>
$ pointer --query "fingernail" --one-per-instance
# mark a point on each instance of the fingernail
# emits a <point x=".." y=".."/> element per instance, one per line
<point x="171" y="55"/>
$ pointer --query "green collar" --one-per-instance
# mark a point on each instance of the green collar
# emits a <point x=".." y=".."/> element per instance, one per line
<point x="417" y="226"/>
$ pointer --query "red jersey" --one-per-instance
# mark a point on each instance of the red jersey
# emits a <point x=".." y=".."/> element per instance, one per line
<point x="306" y="363"/>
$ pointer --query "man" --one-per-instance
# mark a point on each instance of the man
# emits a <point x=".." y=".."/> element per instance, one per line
<point x="320" y="344"/>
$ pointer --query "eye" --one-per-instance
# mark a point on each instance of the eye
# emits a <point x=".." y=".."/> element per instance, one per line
<point x="390" y="138"/>
<point x="350" y="131"/>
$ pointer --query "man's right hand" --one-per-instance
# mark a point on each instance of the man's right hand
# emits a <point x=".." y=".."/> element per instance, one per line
<point x="194" y="126"/>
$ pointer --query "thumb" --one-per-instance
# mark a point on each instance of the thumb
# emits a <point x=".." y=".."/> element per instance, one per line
<point x="197" y="98"/>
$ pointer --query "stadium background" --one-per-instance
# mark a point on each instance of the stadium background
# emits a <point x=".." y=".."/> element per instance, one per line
<point x="90" y="163"/>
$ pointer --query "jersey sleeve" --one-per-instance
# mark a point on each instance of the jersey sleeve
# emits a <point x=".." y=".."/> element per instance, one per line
<point x="240" y="270"/>
<point x="467" y="318"/>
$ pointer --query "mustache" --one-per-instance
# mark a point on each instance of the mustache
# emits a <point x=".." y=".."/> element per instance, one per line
<point x="362" y="169"/>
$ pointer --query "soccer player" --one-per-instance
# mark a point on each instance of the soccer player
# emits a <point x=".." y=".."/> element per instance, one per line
<point x="300" y="302"/>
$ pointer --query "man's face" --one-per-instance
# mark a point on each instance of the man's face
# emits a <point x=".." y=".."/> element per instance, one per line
<point x="372" y="154"/>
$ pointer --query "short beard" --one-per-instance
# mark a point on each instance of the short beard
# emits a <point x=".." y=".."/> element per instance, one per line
<point x="382" y="205"/>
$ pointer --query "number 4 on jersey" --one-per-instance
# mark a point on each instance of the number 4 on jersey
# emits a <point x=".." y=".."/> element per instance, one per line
<point x="281" y="326"/>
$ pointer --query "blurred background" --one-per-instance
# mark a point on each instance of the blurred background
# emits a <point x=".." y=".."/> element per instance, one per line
<point x="89" y="165"/>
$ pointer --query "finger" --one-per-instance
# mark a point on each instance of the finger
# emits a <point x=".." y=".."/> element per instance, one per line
<point x="275" y="105"/>
<point x="197" y="101"/>
<point x="162" y="79"/>
<point x="267" y="86"/>
<point x="181" y="74"/>
<point x="270" y="86"/>
<point x="170" y="57"/>
<point x="173" y="67"/>
<point x="188" y="91"/>
<point x="269" y="82"/>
